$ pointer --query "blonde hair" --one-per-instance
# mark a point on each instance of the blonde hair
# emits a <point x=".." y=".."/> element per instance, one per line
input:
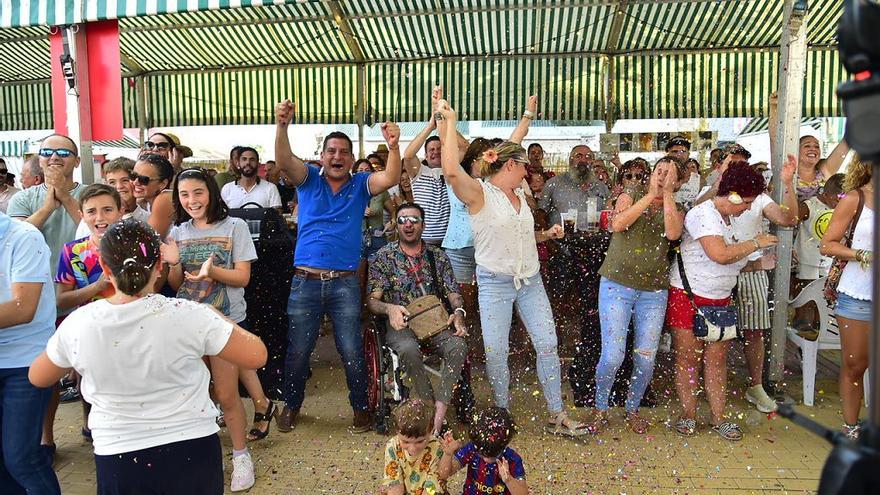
<point x="858" y="174"/>
<point x="414" y="417"/>
<point x="505" y="151"/>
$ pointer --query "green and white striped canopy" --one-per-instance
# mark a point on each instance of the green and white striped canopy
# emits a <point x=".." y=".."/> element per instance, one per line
<point x="229" y="61"/>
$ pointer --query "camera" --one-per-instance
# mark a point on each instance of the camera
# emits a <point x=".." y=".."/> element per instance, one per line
<point x="859" y="47"/>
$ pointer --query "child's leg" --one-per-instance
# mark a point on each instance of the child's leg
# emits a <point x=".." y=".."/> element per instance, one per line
<point x="225" y="375"/>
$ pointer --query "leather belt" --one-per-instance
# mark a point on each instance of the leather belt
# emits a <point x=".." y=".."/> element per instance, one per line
<point x="323" y="276"/>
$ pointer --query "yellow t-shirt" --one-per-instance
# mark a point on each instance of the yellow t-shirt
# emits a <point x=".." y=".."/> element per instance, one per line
<point x="419" y="475"/>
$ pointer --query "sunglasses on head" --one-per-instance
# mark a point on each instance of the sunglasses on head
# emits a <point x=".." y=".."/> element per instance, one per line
<point x="631" y="176"/>
<point x="61" y="152"/>
<point x="143" y="179"/>
<point x="408" y="218"/>
<point x="149" y="145"/>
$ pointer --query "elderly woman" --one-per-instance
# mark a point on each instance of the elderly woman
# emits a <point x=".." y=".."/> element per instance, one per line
<point x="507" y="267"/>
<point x="856" y="212"/>
<point x="634" y="285"/>
<point x="712" y="259"/>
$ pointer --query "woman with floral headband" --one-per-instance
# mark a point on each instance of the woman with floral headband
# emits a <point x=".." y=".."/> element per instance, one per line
<point x="507" y="266"/>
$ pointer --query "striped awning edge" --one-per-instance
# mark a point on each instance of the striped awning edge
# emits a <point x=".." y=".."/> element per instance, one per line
<point x="13" y="148"/>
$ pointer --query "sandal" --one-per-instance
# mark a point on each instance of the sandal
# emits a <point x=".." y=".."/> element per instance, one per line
<point x="686" y="427"/>
<point x="729" y="431"/>
<point x="637" y="424"/>
<point x="599" y="422"/>
<point x="258" y="434"/>
<point x="852" y="431"/>
<point x="564" y="426"/>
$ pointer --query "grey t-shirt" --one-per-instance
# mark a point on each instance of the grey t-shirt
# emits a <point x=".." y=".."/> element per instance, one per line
<point x="562" y="194"/>
<point x="58" y="229"/>
<point x="229" y="241"/>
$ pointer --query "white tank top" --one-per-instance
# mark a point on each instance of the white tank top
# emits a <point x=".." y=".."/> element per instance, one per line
<point x="855" y="281"/>
<point x="504" y="240"/>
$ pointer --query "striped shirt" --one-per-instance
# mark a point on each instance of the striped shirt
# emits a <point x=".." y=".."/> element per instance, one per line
<point x="429" y="192"/>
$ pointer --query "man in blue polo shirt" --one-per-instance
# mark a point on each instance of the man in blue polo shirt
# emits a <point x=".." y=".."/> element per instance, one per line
<point x="332" y="201"/>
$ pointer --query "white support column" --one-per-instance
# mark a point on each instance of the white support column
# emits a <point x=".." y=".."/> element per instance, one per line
<point x="360" y="108"/>
<point x="79" y="123"/>
<point x="141" y="107"/>
<point x="791" y="89"/>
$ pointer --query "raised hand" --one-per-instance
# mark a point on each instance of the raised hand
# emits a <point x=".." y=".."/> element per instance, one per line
<point x="503" y="469"/>
<point x="449" y="444"/>
<point x="204" y="271"/>
<point x="391" y="133"/>
<point x="788" y="170"/>
<point x="445" y="110"/>
<point x="671" y="178"/>
<point x="532" y="105"/>
<point x="284" y="112"/>
<point x="169" y="251"/>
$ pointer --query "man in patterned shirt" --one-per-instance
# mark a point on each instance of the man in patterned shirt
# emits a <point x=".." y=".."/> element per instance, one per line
<point x="400" y="273"/>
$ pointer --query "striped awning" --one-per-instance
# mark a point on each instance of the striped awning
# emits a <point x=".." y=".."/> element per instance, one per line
<point x="228" y="61"/>
<point x="760" y="125"/>
<point x="13" y="148"/>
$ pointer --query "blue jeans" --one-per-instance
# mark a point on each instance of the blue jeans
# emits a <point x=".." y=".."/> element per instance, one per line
<point x="309" y="301"/>
<point x="497" y="295"/>
<point x="617" y="305"/>
<point x="24" y="467"/>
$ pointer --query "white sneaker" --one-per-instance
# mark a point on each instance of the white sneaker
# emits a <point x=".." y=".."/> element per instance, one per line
<point x="757" y="396"/>
<point x="242" y="472"/>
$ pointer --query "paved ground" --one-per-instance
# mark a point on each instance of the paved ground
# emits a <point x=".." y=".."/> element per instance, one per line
<point x="320" y="456"/>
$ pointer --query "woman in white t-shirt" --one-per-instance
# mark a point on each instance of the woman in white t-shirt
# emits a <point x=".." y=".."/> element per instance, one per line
<point x="140" y="358"/>
<point x="507" y="265"/>
<point x="854" y="289"/>
<point x="712" y="261"/>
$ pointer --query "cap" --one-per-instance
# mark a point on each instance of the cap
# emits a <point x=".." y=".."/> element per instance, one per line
<point x="678" y="141"/>
<point x="736" y="149"/>
<point x="382" y="148"/>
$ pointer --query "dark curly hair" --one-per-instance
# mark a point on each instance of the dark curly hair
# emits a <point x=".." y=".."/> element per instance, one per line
<point x="743" y="179"/>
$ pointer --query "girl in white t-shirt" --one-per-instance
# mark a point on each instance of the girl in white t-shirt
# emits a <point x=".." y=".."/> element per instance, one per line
<point x="141" y="359"/>
<point x="213" y="267"/>
<point x="712" y="261"/>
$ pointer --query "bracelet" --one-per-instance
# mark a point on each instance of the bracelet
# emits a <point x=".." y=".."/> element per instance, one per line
<point x="528" y="114"/>
<point x="463" y="312"/>
<point x="757" y="245"/>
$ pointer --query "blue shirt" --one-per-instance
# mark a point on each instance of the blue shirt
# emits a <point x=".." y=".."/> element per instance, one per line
<point x="482" y="477"/>
<point x="24" y="258"/>
<point x="330" y="224"/>
<point x="459" y="233"/>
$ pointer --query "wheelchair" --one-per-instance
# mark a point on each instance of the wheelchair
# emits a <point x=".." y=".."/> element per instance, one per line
<point x="386" y="389"/>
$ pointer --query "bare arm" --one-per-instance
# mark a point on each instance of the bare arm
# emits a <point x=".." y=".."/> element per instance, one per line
<point x="519" y="133"/>
<point x="773" y="127"/>
<point x="787" y="213"/>
<point x="832" y="242"/>
<point x="465" y="187"/>
<point x="396" y="314"/>
<point x="725" y="254"/>
<point x="44" y="373"/>
<point x="832" y="164"/>
<point x="243" y="348"/>
<point x="23" y="305"/>
<point x="411" y="163"/>
<point x="382" y="181"/>
<point x="161" y="214"/>
<point x="39" y="217"/>
<point x="295" y="169"/>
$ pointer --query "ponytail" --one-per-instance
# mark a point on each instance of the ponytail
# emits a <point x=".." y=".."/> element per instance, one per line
<point x="130" y="249"/>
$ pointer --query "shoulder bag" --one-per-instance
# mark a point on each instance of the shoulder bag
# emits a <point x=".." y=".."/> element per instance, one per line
<point x="428" y="314"/>
<point x="830" y="291"/>
<point x="711" y="323"/>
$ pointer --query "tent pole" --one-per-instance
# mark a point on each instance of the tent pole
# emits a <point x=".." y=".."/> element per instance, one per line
<point x="79" y="123"/>
<point x="360" y="109"/>
<point x="141" y="107"/>
<point x="791" y="90"/>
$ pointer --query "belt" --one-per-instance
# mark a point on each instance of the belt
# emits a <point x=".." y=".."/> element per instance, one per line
<point x="328" y="275"/>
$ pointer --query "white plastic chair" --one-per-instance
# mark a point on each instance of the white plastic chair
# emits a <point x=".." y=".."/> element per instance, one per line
<point x="829" y="337"/>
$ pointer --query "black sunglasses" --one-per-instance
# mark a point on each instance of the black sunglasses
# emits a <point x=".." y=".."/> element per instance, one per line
<point x="629" y="176"/>
<point x="408" y="218"/>
<point x="143" y="179"/>
<point x="149" y="145"/>
<point x="3" y="171"/>
<point x="61" y="152"/>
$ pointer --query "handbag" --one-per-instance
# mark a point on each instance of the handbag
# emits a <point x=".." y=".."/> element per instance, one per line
<point x="427" y="314"/>
<point x="711" y="323"/>
<point x="836" y="270"/>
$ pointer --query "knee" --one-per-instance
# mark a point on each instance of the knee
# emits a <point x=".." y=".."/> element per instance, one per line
<point x="854" y="366"/>
<point x="611" y="358"/>
<point x="546" y="344"/>
<point x="409" y="352"/>
<point x="456" y="350"/>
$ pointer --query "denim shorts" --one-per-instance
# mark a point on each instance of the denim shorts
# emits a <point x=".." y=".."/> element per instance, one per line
<point x="464" y="266"/>
<point x="852" y="308"/>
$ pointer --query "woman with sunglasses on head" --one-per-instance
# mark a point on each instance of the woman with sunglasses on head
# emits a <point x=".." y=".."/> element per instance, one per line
<point x="635" y="285"/>
<point x="854" y="214"/>
<point x="712" y="260"/>
<point x="812" y="170"/>
<point x="212" y="265"/>
<point x="141" y="359"/>
<point x="632" y="174"/>
<point x="151" y="182"/>
<point x="507" y="266"/>
<point x="167" y="145"/>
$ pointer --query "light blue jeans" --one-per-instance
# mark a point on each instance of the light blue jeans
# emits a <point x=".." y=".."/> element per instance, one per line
<point x="617" y="305"/>
<point x="497" y="295"/>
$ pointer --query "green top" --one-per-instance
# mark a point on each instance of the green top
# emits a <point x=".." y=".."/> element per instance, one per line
<point x="377" y="221"/>
<point x="637" y="256"/>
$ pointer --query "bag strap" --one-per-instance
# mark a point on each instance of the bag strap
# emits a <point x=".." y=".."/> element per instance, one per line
<point x="684" y="279"/>
<point x="850" y="233"/>
<point x="438" y="287"/>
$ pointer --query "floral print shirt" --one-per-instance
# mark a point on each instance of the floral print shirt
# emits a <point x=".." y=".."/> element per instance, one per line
<point x="399" y="276"/>
<point x="419" y="475"/>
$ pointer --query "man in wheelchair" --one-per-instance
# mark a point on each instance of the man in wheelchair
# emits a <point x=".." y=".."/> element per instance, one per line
<point x="412" y="284"/>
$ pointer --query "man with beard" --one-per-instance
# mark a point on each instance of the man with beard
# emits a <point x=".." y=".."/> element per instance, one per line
<point x="572" y="190"/>
<point x="332" y="201"/>
<point x="249" y="188"/>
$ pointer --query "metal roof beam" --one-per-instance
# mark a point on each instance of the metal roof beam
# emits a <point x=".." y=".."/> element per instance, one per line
<point x="345" y="29"/>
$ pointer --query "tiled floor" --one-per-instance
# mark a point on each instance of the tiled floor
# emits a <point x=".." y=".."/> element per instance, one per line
<point x="320" y="456"/>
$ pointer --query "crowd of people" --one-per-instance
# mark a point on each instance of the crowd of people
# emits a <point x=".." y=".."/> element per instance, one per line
<point x="147" y="273"/>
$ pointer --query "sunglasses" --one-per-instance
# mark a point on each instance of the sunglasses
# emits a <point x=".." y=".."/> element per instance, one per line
<point x="143" y="179"/>
<point x="408" y="218"/>
<point x="3" y="172"/>
<point x="633" y="176"/>
<point x="149" y="145"/>
<point x="61" y="152"/>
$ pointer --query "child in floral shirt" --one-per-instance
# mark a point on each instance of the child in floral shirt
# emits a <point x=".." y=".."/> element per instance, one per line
<point x="412" y="457"/>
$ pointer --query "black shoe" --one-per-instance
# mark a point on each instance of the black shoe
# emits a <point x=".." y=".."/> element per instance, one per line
<point x="258" y="434"/>
<point x="70" y="394"/>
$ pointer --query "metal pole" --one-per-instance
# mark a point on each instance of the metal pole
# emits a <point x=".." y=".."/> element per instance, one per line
<point x="791" y="88"/>
<point x="141" y="107"/>
<point x="361" y="99"/>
